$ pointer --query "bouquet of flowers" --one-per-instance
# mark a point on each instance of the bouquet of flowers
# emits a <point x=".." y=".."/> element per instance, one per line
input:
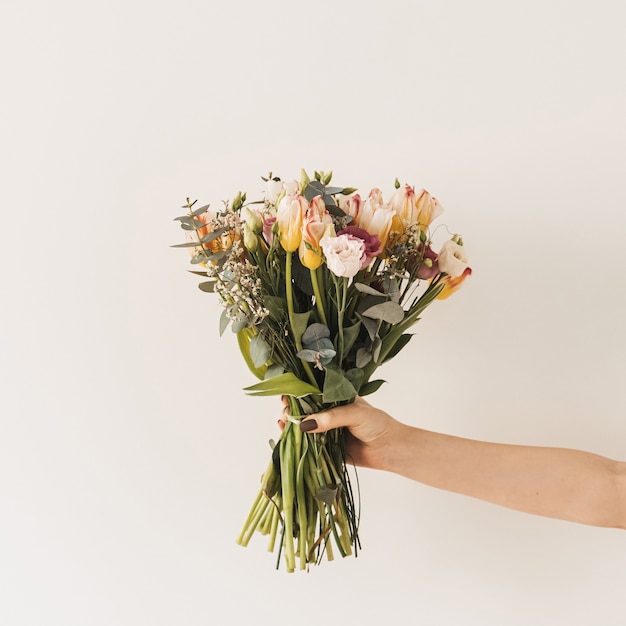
<point x="321" y="287"/>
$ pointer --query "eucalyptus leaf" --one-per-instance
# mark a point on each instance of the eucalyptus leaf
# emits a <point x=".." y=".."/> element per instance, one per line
<point x="286" y="384"/>
<point x="202" y="209"/>
<point x="335" y="210"/>
<point x="350" y="335"/>
<point x="327" y="495"/>
<point x="259" y="351"/>
<point x="331" y="191"/>
<point x="371" y="326"/>
<point x="363" y="357"/>
<point x="390" y="312"/>
<point x="224" y="321"/>
<point x="273" y="371"/>
<point x="363" y="288"/>
<point x="213" y="235"/>
<point x="207" y="286"/>
<point x="187" y="244"/>
<point x="337" y="388"/>
<point x="313" y="189"/>
<point x="300" y="321"/>
<point x="239" y="324"/>
<point x="315" y="331"/>
<point x="198" y="273"/>
<point x="376" y="346"/>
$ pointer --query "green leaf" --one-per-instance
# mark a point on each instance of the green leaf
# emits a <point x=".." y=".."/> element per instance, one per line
<point x="213" y="235"/>
<point x="327" y="495"/>
<point x="397" y="346"/>
<point x="300" y="322"/>
<point x="390" y="312"/>
<point x="335" y="210"/>
<point x="363" y="357"/>
<point x="259" y="351"/>
<point x="244" y="338"/>
<point x="350" y="335"/>
<point x="355" y="376"/>
<point x="337" y="387"/>
<point x="331" y="191"/>
<point x="314" y="188"/>
<point x="369" y="290"/>
<point x="198" y="273"/>
<point x="224" y="321"/>
<point x="288" y="384"/>
<point x="202" y="209"/>
<point x="314" y="332"/>
<point x="187" y="244"/>
<point x="276" y="306"/>
<point x="371" y="387"/>
<point x="207" y="286"/>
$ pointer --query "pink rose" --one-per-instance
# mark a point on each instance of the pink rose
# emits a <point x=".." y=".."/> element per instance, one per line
<point x="371" y="243"/>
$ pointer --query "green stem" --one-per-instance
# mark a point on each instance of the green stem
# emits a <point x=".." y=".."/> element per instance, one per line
<point x="319" y="302"/>
<point x="291" y="311"/>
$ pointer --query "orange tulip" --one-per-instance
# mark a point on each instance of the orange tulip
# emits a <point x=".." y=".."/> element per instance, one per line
<point x="450" y="285"/>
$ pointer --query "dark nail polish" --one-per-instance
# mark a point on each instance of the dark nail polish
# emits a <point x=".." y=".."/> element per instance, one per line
<point x="308" y="425"/>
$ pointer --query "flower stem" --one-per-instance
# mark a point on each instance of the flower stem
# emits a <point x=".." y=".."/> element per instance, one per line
<point x="319" y="303"/>
<point x="290" y="309"/>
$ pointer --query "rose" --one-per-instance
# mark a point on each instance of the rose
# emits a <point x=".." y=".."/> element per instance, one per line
<point x="452" y="259"/>
<point x="291" y="210"/>
<point x="423" y="262"/>
<point x="371" y="244"/>
<point x="344" y="254"/>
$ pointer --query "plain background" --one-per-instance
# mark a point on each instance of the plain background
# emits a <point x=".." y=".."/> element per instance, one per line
<point x="129" y="453"/>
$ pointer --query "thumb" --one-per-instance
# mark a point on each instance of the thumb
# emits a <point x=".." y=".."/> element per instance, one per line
<point x="344" y="416"/>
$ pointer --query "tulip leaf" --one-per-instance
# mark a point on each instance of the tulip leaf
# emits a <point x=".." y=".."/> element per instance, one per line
<point x="276" y="306"/>
<point x="337" y="387"/>
<point x="397" y="346"/>
<point x="390" y="312"/>
<point x="371" y="387"/>
<point x="286" y="384"/>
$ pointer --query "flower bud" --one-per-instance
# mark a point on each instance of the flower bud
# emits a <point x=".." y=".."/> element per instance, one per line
<point x="289" y="217"/>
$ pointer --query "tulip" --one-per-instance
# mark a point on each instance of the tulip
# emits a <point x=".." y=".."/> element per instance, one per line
<point x="450" y="285"/>
<point x="289" y="217"/>
<point x="313" y="229"/>
<point x="375" y="217"/>
<point x="428" y="208"/>
<point x="351" y="205"/>
<point x="273" y="188"/>
<point x="318" y="208"/>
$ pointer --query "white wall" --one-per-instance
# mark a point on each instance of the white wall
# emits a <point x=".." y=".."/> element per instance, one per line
<point x="128" y="452"/>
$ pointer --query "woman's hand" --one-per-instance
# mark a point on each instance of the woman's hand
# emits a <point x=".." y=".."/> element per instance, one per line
<point x="371" y="436"/>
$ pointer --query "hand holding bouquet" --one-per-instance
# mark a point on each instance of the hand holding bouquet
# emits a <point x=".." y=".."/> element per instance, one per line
<point x="321" y="286"/>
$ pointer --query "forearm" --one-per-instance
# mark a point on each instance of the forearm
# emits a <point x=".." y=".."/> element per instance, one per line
<point x="553" y="482"/>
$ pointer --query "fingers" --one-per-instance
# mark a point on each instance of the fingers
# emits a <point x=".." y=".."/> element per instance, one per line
<point x="348" y="416"/>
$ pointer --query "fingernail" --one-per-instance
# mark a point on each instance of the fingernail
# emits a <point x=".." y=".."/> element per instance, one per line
<point x="308" y="425"/>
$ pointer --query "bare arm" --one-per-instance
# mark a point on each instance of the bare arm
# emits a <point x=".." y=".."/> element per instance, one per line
<point x="553" y="482"/>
